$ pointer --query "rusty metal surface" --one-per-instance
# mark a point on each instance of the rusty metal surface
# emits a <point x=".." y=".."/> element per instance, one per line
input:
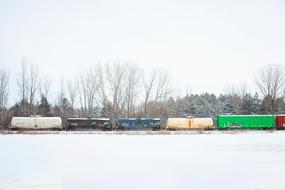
<point x="280" y="121"/>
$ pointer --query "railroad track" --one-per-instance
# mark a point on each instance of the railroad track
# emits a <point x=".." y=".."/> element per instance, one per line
<point x="163" y="132"/>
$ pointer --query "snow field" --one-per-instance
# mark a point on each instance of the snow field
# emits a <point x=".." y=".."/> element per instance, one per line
<point x="99" y="161"/>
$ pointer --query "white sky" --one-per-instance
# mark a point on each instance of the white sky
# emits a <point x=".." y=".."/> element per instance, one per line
<point x="204" y="44"/>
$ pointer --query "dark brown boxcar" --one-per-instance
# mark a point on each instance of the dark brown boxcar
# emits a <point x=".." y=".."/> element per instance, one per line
<point x="280" y="121"/>
<point x="91" y="123"/>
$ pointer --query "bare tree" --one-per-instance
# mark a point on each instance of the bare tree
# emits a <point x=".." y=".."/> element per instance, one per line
<point x="239" y="90"/>
<point x="71" y="87"/>
<point x="270" y="81"/>
<point x="162" y="91"/>
<point x="157" y="90"/>
<point x="148" y="84"/>
<point x="23" y="84"/>
<point x="134" y="74"/>
<point x="60" y="98"/>
<point x="88" y="84"/>
<point x="162" y="86"/>
<point x="102" y="92"/>
<point x="92" y="89"/>
<point x="28" y="83"/>
<point x="115" y="76"/>
<point x="235" y="95"/>
<point x="34" y="82"/>
<point x="44" y="87"/>
<point x="4" y="78"/>
<point x="62" y="106"/>
<point x="81" y="86"/>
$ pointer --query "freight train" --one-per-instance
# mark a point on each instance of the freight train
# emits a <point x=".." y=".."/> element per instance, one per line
<point x="222" y="122"/>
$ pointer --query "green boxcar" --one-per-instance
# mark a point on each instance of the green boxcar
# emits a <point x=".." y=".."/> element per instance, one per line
<point x="246" y="121"/>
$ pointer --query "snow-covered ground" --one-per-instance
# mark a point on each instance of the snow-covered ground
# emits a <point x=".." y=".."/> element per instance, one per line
<point x="216" y="160"/>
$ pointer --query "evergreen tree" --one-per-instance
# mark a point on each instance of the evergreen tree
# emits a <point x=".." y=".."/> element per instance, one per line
<point x="267" y="105"/>
<point x="65" y="108"/>
<point x="44" y="108"/>
<point x="280" y="105"/>
<point x="19" y="109"/>
<point x="227" y="106"/>
<point x="186" y="106"/>
<point x="247" y="104"/>
<point x="256" y="104"/>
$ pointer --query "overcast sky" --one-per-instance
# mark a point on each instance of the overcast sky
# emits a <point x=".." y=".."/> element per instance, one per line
<point x="206" y="45"/>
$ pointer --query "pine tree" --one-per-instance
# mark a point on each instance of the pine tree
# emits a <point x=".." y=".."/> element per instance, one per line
<point x="247" y="104"/>
<point x="256" y="104"/>
<point x="227" y="106"/>
<point x="65" y="108"/>
<point x="280" y="105"/>
<point x="267" y="105"/>
<point x="44" y="108"/>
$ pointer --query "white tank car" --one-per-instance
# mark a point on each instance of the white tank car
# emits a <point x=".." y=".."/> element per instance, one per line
<point x="36" y="123"/>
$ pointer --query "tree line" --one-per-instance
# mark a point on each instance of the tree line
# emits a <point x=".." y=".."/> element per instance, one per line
<point x="123" y="89"/>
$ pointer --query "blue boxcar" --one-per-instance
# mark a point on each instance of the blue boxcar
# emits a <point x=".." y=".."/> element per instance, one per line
<point x="138" y="123"/>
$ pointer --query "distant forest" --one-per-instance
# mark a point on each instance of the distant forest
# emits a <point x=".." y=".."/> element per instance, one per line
<point x="119" y="89"/>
